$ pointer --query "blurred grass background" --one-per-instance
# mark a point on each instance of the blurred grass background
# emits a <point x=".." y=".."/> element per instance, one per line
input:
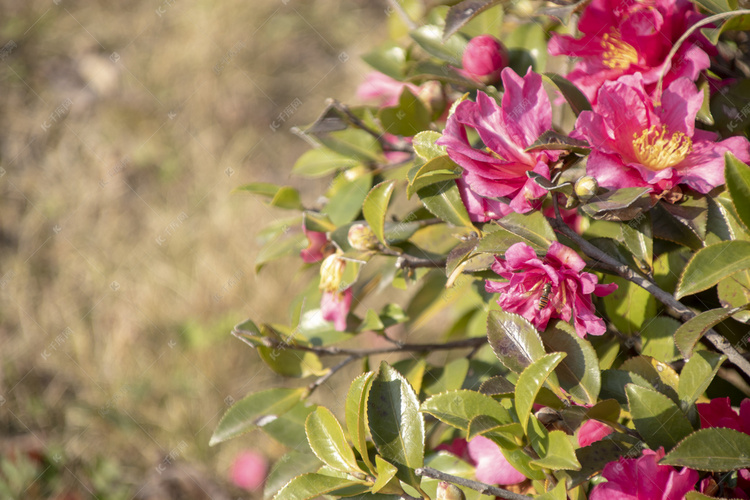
<point x="124" y="257"/>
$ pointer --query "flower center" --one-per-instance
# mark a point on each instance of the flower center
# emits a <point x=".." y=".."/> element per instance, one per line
<point x="656" y="150"/>
<point x="617" y="54"/>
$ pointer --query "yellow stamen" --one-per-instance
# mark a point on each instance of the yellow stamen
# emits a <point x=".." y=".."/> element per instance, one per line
<point x="618" y="54"/>
<point x="656" y="150"/>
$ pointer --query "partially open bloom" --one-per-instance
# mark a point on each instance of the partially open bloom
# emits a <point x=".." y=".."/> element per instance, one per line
<point x="317" y="243"/>
<point x="551" y="287"/>
<point x="636" y="143"/>
<point x="484" y="58"/>
<point x="383" y="89"/>
<point x="625" y="37"/>
<point x="335" y="303"/>
<point x="494" y="181"/>
<point x="643" y="479"/>
<point x="249" y="470"/>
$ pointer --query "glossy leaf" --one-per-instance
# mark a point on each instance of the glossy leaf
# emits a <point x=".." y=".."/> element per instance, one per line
<point x="560" y="454"/>
<point x="530" y="381"/>
<point x="577" y="100"/>
<point x="638" y="238"/>
<point x="289" y="428"/>
<point x="697" y="374"/>
<point x="290" y="362"/>
<point x="514" y="340"/>
<point x="321" y="161"/>
<point x="658" y="420"/>
<point x="444" y="201"/>
<point x="552" y="140"/>
<point x="328" y="442"/>
<point x="496" y="386"/>
<point x="629" y="307"/>
<point x="349" y="195"/>
<point x="375" y="207"/>
<point x="389" y="59"/>
<point x="385" y="473"/>
<point x="660" y="375"/>
<point x="253" y="410"/>
<point x="438" y="169"/>
<point x="396" y="425"/>
<point x="313" y="485"/>
<point x="579" y="372"/>
<point x="287" y="468"/>
<point x="424" y="145"/>
<point x="430" y="38"/>
<point x="658" y="339"/>
<point x="356" y="414"/>
<point x="711" y="264"/>
<point x="715" y="449"/>
<point x="620" y="205"/>
<point x="688" y="335"/>
<point x="458" y="408"/>
<point x="407" y="118"/>
<point x="463" y="12"/>
<point x="738" y="182"/>
<point x="615" y="381"/>
<point x="532" y="227"/>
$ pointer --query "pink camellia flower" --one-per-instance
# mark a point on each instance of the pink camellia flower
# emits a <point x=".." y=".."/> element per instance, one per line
<point x="383" y="89"/>
<point x="719" y="413"/>
<point x="625" y="37"/>
<point x="643" y="479"/>
<point x="494" y="181"/>
<point x="636" y="143"/>
<point x="484" y="58"/>
<point x="335" y="302"/>
<point x="249" y="470"/>
<point x="458" y="447"/>
<point x="492" y="467"/>
<point x="317" y="243"/>
<point x="592" y="431"/>
<point x="552" y="287"/>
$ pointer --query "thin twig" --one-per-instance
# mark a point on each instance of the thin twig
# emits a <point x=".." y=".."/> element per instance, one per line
<point x="331" y="372"/>
<point x="483" y="488"/>
<point x="406" y="261"/>
<point x="682" y="311"/>
<point x="396" y="5"/>
<point x="400" y="145"/>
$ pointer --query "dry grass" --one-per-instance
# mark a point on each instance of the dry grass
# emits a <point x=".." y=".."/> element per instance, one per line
<point x="125" y="259"/>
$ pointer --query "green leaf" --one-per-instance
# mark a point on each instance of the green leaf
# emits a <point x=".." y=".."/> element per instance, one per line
<point x="280" y="247"/>
<point x="251" y="411"/>
<point x="447" y="378"/>
<point x="425" y="147"/>
<point x="396" y="425"/>
<point x="314" y="221"/>
<point x="408" y="118"/>
<point x="638" y="238"/>
<point x="459" y="408"/>
<point x="735" y="292"/>
<point x="619" y="205"/>
<point x="692" y="213"/>
<point x="594" y="457"/>
<point x="579" y="372"/>
<point x="715" y="449"/>
<point x="688" y="335"/>
<point x="290" y="362"/>
<point x="260" y="188"/>
<point x="504" y="435"/>
<point x="497" y="386"/>
<point x="661" y="376"/>
<point x="328" y="442"/>
<point x="560" y="454"/>
<point x="629" y="307"/>
<point x="577" y="100"/>
<point x="375" y="207"/>
<point x="389" y="59"/>
<point x="532" y="227"/>
<point x="346" y="202"/>
<point x="717" y="6"/>
<point x="443" y="200"/>
<point x="656" y="418"/>
<point x="385" y="472"/>
<point x="288" y="198"/>
<point x="438" y="169"/>
<point x="287" y="468"/>
<point x="321" y="161"/>
<point x="697" y="374"/>
<point x="353" y="143"/>
<point x="463" y="12"/>
<point x="559" y="492"/>
<point x="356" y="414"/>
<point x="289" y="428"/>
<point x="527" y="46"/>
<point x="658" y="337"/>
<point x="711" y="264"/>
<point x="309" y="486"/>
<point x="615" y="381"/>
<point x="738" y="182"/>
<point x="514" y="340"/>
<point x="430" y="38"/>
<point x="530" y="381"/>
<point x="552" y="140"/>
<point x="522" y="463"/>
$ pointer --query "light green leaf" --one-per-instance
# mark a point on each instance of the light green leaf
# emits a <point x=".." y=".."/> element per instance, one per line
<point x="560" y="454"/>
<point x="711" y="264"/>
<point x="443" y="200"/>
<point x="715" y="449"/>
<point x="688" y="335"/>
<point x="579" y="372"/>
<point x="697" y="374"/>
<point x="629" y="307"/>
<point x="356" y="414"/>
<point x="532" y="227"/>
<point x="291" y="363"/>
<point x="288" y="198"/>
<point x="321" y="161"/>
<point x="385" y="472"/>
<point x="260" y="188"/>
<point x="328" y="442"/>
<point x="514" y="340"/>
<point x="289" y="428"/>
<point x="530" y="381"/>
<point x="408" y="118"/>
<point x="396" y="426"/>
<point x="430" y="38"/>
<point x="253" y="410"/>
<point x="309" y="486"/>
<point x="349" y="195"/>
<point x="660" y="375"/>
<point x="735" y="292"/>
<point x="438" y="169"/>
<point x="425" y="147"/>
<point x="375" y="207"/>
<point x="459" y="408"/>
<point x="657" y="419"/>
<point x="287" y="468"/>
<point x="638" y="238"/>
<point x="658" y="339"/>
<point x="463" y="12"/>
<point x="738" y="182"/>
<point x="717" y="6"/>
<point x="389" y="59"/>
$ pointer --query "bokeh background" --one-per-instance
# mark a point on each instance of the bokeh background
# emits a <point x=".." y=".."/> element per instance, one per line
<point x="125" y="257"/>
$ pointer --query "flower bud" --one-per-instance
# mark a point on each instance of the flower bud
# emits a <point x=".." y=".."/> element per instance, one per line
<point x="362" y="238"/>
<point x="484" y="58"/>
<point x="586" y="188"/>
<point x="431" y="94"/>
<point x="331" y="273"/>
<point x="448" y="491"/>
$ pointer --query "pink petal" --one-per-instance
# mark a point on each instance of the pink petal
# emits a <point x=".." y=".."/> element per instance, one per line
<point x="249" y="470"/>
<point x="335" y="307"/>
<point x="314" y="251"/>
<point x="591" y="431"/>
<point x="492" y="466"/>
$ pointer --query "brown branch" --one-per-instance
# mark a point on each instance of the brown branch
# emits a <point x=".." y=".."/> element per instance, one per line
<point x="483" y="488"/>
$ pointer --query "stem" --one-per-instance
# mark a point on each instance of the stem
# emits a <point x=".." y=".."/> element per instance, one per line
<point x="668" y="61"/>
<point x="331" y="372"/>
<point x="483" y="488"/>
<point x="354" y="119"/>
<point x="411" y="262"/>
<point x="611" y="264"/>
<point x="396" y="5"/>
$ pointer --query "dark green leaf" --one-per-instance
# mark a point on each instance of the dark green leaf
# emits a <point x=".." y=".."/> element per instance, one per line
<point x="396" y="425"/>
<point x="691" y="213"/>
<point x="692" y="330"/>
<point x="697" y="374"/>
<point x="579" y="372"/>
<point x="638" y="238"/>
<point x="356" y="414"/>
<point x="309" y="486"/>
<point x="714" y="449"/>
<point x="660" y="375"/>
<point x="711" y="264"/>
<point x="657" y="419"/>
<point x="530" y="381"/>
<point x="328" y="442"/>
<point x="620" y="205"/>
<point x="578" y="102"/>
<point x="594" y="457"/>
<point x="430" y="38"/>
<point x="462" y="13"/>
<point x="532" y="227"/>
<point x="738" y="182"/>
<point x="614" y="382"/>
<point x="515" y="341"/>
<point x="527" y="47"/>
<point x="497" y="386"/>
<point x="375" y="207"/>
<point x="448" y="378"/>
<point x="444" y="201"/>
<point x="458" y="408"/>
<point x="251" y="411"/>
<point x="408" y="118"/>
<point x="552" y="140"/>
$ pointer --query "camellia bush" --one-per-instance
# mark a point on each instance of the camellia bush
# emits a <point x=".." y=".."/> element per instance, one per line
<point x="545" y="209"/>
